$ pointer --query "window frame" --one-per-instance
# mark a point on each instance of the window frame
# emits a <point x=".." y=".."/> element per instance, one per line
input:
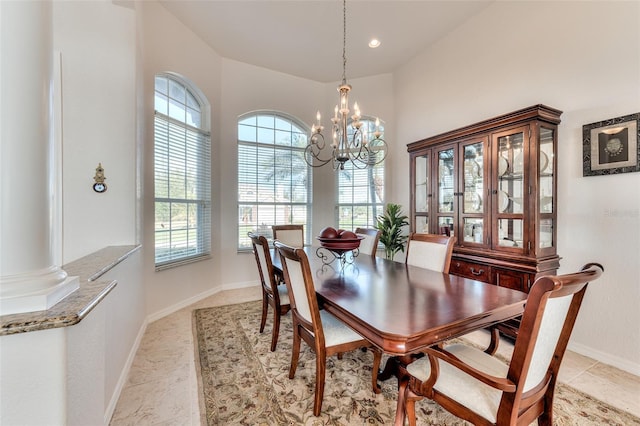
<point x="244" y="205"/>
<point x="193" y="154"/>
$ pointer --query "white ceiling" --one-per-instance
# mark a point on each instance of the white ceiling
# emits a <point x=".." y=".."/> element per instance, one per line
<point x="304" y="37"/>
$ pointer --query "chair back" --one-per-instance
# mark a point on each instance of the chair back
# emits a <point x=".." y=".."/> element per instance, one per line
<point x="370" y="243"/>
<point x="265" y="266"/>
<point x="291" y="235"/>
<point x="302" y="293"/>
<point x="549" y="316"/>
<point x="430" y="251"/>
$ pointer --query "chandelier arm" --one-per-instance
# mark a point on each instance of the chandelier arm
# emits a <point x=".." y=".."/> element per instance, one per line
<point x="379" y="149"/>
<point x="313" y="150"/>
<point x="366" y="152"/>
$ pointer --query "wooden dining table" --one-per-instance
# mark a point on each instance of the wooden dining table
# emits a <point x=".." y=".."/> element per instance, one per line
<point x="403" y="309"/>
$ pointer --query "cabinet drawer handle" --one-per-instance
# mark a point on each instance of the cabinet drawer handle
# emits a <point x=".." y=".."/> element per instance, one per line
<point x="478" y="272"/>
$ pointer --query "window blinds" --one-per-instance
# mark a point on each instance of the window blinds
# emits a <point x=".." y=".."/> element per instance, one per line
<point x="182" y="192"/>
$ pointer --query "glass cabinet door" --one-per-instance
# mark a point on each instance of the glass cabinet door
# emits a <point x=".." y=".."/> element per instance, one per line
<point x="546" y="185"/>
<point x="473" y="192"/>
<point x="422" y="193"/>
<point x="446" y="203"/>
<point x="510" y="201"/>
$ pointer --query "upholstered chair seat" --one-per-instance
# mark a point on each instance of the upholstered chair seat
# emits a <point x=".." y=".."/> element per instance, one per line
<point x="335" y="331"/>
<point x="477" y="396"/>
<point x="480" y="388"/>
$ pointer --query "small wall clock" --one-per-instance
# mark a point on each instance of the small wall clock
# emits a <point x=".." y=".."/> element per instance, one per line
<point x="99" y="186"/>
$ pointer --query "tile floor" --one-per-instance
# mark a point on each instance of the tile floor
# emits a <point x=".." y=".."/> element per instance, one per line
<point x="162" y="388"/>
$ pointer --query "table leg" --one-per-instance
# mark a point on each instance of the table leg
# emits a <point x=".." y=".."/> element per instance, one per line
<point x="391" y="368"/>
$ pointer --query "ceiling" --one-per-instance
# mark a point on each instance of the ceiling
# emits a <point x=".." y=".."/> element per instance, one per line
<point x="304" y="37"/>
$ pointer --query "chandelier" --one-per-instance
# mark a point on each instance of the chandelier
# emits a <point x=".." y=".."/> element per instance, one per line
<point x="351" y="140"/>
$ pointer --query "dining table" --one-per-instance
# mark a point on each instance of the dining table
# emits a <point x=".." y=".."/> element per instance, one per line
<point x="402" y="309"/>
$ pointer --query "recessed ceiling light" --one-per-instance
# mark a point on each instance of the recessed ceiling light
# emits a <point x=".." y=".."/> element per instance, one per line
<point x="374" y="43"/>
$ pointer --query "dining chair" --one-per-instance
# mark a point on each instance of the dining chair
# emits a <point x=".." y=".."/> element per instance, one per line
<point x="484" y="390"/>
<point x="272" y="294"/>
<point x="370" y="243"/>
<point x="430" y="251"/>
<point x="325" y="334"/>
<point x="291" y="235"/>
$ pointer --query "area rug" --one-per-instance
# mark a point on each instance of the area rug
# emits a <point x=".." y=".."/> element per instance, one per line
<point x="243" y="383"/>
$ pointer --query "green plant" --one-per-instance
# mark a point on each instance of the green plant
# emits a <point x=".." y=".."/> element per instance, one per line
<point x="390" y="225"/>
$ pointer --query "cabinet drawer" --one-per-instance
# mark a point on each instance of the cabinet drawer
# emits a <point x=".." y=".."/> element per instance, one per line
<point x="475" y="271"/>
<point x="510" y="279"/>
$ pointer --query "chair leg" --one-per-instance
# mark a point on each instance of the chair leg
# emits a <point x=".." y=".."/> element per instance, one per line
<point x="276" y="328"/>
<point x="546" y="418"/>
<point x="321" y="368"/>
<point x="410" y="399"/>
<point x="265" y="307"/>
<point x="400" y="407"/>
<point x="495" y="341"/>
<point x="295" y="352"/>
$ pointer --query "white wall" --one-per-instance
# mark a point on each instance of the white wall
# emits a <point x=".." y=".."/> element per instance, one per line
<point x="125" y="320"/>
<point x="168" y="46"/>
<point x="33" y="370"/>
<point x="87" y="352"/>
<point x="584" y="59"/>
<point x="97" y="44"/>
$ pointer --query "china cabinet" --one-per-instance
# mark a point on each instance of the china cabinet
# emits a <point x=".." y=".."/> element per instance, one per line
<point x="493" y="186"/>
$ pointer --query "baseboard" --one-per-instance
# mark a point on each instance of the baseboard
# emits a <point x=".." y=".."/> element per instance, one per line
<point x="198" y="297"/>
<point x="605" y="358"/>
<point x="124" y="374"/>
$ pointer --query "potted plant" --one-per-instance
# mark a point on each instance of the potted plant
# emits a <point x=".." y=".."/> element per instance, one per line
<point x="390" y="225"/>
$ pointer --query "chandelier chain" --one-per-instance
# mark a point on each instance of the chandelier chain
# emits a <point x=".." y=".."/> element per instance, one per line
<point x="344" y="41"/>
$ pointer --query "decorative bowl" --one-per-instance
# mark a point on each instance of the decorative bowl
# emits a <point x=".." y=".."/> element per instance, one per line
<point x="340" y="244"/>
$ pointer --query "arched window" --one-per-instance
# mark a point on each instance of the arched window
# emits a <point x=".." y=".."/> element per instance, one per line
<point x="182" y="163"/>
<point x="360" y="191"/>
<point x="274" y="180"/>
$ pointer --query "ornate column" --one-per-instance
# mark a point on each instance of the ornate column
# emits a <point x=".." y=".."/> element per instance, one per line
<point x="29" y="278"/>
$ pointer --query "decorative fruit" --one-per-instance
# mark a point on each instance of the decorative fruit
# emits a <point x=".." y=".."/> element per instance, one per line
<point x="328" y="232"/>
<point x="347" y="235"/>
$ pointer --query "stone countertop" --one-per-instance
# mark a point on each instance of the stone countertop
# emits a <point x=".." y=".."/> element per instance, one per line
<point x="73" y="308"/>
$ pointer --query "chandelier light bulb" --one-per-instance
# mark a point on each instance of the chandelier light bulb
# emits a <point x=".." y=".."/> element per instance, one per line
<point x="377" y="133"/>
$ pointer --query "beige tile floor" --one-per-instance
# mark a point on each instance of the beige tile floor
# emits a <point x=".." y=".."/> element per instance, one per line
<point x="162" y="388"/>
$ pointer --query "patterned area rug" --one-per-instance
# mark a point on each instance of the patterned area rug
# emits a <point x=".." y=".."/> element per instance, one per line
<point x="243" y="383"/>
